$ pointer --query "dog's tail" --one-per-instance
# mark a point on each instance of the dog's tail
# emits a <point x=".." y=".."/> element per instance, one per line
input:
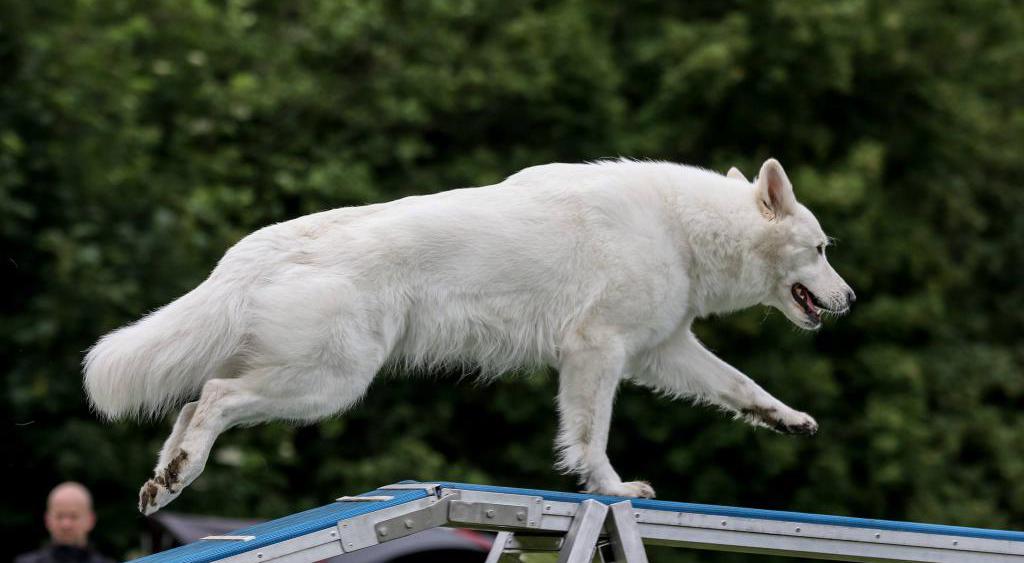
<point x="145" y="368"/>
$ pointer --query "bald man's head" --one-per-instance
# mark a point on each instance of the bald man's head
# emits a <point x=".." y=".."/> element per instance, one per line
<point x="69" y="515"/>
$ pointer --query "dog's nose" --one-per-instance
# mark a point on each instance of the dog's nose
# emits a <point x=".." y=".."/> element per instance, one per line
<point x="851" y="297"/>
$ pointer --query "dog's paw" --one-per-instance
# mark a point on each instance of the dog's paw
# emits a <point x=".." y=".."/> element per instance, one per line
<point x="632" y="489"/>
<point x="795" y="422"/>
<point x="160" y="490"/>
<point x="786" y="421"/>
<point x="154" y="495"/>
<point x="803" y="425"/>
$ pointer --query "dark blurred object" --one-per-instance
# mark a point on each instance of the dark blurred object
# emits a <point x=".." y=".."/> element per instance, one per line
<point x="171" y="529"/>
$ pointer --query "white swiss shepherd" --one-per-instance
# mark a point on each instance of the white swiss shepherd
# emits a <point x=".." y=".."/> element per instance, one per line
<point x="596" y="269"/>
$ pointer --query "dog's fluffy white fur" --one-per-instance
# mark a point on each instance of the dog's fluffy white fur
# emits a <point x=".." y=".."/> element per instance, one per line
<point x="596" y="269"/>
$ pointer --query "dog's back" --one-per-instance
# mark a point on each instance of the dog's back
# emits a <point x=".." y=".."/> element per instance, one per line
<point x="490" y="277"/>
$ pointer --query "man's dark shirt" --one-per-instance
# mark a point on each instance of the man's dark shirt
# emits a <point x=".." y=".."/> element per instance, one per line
<point x="62" y="554"/>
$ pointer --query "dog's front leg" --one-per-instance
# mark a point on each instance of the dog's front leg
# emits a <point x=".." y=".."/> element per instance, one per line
<point x="588" y="380"/>
<point x="683" y="367"/>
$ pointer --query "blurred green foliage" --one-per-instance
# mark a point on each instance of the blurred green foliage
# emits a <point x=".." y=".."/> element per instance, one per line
<point x="138" y="141"/>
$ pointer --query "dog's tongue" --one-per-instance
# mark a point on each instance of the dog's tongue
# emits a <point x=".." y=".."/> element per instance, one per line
<point x="807" y="299"/>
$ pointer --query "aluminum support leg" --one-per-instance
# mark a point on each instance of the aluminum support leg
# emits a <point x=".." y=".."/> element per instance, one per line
<point x="624" y="535"/>
<point x="497" y="553"/>
<point x="581" y="539"/>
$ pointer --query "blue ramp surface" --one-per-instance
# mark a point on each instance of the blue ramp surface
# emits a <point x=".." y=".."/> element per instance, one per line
<point x="282" y="529"/>
<point x="780" y="515"/>
<point x="317" y="519"/>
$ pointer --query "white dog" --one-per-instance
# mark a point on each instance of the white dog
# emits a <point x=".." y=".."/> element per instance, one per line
<point x="597" y="269"/>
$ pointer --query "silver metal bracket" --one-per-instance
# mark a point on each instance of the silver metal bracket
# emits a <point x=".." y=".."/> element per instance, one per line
<point x="408" y="524"/>
<point x="531" y="544"/>
<point x="508" y="546"/>
<point x="492" y="515"/>
<point x="394" y="522"/>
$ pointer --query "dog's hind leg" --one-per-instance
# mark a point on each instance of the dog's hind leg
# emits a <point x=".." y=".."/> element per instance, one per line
<point x="263" y="394"/>
<point x="177" y="433"/>
<point x="683" y="367"/>
<point x="588" y="379"/>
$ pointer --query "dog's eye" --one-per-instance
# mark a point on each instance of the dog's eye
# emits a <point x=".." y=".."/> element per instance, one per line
<point x="821" y="249"/>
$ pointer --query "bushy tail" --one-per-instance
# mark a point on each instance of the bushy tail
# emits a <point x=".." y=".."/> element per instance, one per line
<point x="145" y="368"/>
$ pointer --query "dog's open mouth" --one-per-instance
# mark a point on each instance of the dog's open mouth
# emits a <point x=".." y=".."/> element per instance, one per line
<point x="808" y="302"/>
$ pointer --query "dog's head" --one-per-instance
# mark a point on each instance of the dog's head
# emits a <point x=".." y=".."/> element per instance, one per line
<point x="804" y="285"/>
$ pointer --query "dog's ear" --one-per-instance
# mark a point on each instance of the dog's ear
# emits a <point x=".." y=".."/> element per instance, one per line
<point x="774" y="192"/>
<point x="735" y="174"/>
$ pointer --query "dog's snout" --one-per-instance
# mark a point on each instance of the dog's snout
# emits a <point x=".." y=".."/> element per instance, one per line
<point x="851" y="297"/>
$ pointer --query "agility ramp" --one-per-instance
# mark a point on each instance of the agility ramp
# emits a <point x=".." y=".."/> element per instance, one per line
<point x="582" y="528"/>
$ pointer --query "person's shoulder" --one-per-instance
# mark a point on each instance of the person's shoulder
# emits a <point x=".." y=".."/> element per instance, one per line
<point x="37" y="556"/>
<point x="46" y="555"/>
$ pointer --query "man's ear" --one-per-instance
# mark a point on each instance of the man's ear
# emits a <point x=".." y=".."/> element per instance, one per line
<point x="735" y="174"/>
<point x="774" y="192"/>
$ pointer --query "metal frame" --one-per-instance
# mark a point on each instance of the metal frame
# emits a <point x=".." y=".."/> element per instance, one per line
<point x="584" y="527"/>
<point x="580" y="541"/>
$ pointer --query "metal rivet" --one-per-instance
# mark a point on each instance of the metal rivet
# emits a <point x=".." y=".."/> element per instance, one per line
<point x="259" y="556"/>
<point x="334" y="534"/>
<point x="489" y="513"/>
<point x="878" y="536"/>
<point x="350" y="544"/>
<point x="520" y="516"/>
<point x="383" y="531"/>
<point x="956" y="542"/>
<point x="409" y="524"/>
<point x="548" y="507"/>
<point x="798" y="530"/>
<point x="532" y="522"/>
<point x="636" y="515"/>
<point x="723" y="522"/>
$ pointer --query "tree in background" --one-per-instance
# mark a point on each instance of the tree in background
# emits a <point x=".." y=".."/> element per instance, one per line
<point x="139" y="141"/>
